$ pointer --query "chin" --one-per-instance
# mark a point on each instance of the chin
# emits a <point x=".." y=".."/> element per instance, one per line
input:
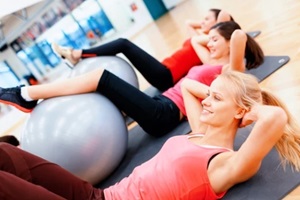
<point x="214" y="56"/>
<point x="211" y="55"/>
<point x="203" y="120"/>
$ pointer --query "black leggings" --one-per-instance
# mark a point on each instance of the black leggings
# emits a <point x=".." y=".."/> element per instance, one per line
<point x="154" y="71"/>
<point x="156" y="115"/>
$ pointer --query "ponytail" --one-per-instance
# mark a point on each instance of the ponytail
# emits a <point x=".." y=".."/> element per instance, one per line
<point x="253" y="53"/>
<point x="288" y="146"/>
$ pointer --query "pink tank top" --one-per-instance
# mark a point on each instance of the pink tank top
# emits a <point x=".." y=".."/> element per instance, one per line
<point x="203" y="73"/>
<point x="177" y="171"/>
<point x="182" y="61"/>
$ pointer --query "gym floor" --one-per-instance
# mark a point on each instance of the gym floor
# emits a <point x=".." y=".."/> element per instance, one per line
<point x="278" y="21"/>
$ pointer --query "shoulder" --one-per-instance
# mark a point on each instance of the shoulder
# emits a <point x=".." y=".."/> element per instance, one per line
<point x="230" y="172"/>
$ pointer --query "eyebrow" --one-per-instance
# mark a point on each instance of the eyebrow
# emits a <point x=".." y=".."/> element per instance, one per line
<point x="213" y="37"/>
<point x="218" y="93"/>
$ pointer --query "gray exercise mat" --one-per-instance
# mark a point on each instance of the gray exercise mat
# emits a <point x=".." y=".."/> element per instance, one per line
<point x="271" y="182"/>
<point x="269" y="66"/>
<point x="253" y="34"/>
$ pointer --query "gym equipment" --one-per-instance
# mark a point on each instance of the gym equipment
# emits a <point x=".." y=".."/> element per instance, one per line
<point x="253" y="34"/>
<point x="114" y="64"/>
<point x="270" y="65"/>
<point x="85" y="134"/>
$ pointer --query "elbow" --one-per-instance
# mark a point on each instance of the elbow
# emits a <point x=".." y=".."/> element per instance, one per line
<point x="188" y="86"/>
<point x="224" y="16"/>
<point x="277" y="117"/>
<point x="282" y="116"/>
<point x="239" y="35"/>
<point x="184" y="84"/>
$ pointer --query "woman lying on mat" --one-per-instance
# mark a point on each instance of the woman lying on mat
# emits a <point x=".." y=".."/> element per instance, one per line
<point x="161" y="75"/>
<point x="202" y="165"/>
<point x="160" y="114"/>
<point x="213" y="16"/>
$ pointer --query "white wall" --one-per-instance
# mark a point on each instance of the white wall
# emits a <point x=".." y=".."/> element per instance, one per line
<point x="117" y="13"/>
<point x="171" y="3"/>
<point x="141" y="15"/>
<point x="14" y="62"/>
<point x="120" y="14"/>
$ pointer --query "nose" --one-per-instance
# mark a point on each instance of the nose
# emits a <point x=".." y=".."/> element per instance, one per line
<point x="206" y="101"/>
<point x="209" y="44"/>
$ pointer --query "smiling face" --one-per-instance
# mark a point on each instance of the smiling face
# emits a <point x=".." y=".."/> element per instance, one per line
<point x="219" y="106"/>
<point x="208" y="21"/>
<point x="218" y="45"/>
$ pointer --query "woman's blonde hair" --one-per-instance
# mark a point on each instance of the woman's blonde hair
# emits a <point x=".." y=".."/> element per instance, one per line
<point x="288" y="145"/>
<point x="246" y="89"/>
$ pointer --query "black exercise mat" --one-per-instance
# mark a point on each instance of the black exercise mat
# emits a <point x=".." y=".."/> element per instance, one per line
<point x="269" y="66"/>
<point x="253" y="34"/>
<point x="271" y="182"/>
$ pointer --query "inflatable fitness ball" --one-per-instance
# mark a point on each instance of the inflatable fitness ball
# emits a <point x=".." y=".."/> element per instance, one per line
<point x="85" y="134"/>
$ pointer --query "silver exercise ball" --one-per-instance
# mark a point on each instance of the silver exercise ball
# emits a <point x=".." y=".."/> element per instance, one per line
<point x="116" y="65"/>
<point x="86" y="134"/>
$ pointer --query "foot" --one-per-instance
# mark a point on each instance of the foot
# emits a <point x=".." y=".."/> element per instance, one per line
<point x="12" y="96"/>
<point x="65" y="54"/>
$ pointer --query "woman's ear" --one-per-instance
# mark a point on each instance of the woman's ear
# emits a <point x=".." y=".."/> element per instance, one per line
<point x="240" y="113"/>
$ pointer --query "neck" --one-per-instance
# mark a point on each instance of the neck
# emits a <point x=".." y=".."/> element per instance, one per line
<point x="220" y="136"/>
<point x="220" y="61"/>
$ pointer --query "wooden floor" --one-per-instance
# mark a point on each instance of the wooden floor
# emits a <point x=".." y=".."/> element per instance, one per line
<point x="279" y="22"/>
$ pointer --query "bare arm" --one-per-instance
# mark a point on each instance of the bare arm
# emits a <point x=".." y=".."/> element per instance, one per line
<point x="199" y="44"/>
<point x="223" y="16"/>
<point x="191" y="91"/>
<point x="237" y="50"/>
<point x="193" y="27"/>
<point x="269" y="127"/>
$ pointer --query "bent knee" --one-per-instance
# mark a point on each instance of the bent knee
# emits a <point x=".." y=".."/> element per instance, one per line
<point x="124" y="41"/>
<point x="4" y="145"/>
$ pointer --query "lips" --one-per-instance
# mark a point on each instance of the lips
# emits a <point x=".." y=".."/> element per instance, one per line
<point x="205" y="111"/>
<point x="212" y="50"/>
